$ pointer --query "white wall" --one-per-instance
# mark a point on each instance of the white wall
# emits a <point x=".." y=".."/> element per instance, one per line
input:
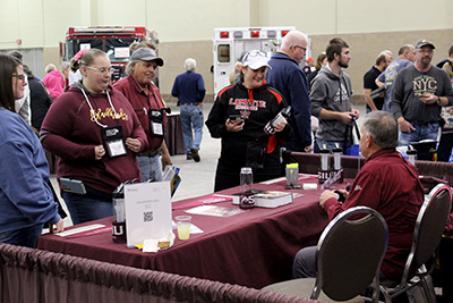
<point x="43" y="23"/>
<point x="358" y="16"/>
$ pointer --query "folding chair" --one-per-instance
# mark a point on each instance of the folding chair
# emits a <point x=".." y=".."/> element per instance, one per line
<point x="349" y="255"/>
<point x="429" y="227"/>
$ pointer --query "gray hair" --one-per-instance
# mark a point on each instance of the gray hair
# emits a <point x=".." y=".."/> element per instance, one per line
<point x="190" y="64"/>
<point x="382" y="127"/>
<point x="130" y="66"/>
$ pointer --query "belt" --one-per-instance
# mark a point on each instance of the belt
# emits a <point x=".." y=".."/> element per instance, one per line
<point x="150" y="153"/>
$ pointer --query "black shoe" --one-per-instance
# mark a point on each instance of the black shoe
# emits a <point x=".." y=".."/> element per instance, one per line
<point x="195" y="155"/>
<point x="189" y="157"/>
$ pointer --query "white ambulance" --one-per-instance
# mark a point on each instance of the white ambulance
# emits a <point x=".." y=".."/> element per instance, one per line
<point x="230" y="43"/>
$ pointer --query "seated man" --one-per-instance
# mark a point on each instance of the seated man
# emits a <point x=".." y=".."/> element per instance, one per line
<point x="386" y="183"/>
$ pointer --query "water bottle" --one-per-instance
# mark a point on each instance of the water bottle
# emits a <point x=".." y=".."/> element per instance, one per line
<point x="119" y="215"/>
<point x="411" y="156"/>
<point x="281" y="116"/>
<point x="246" y="180"/>
<point x="337" y="168"/>
<point x="324" y="171"/>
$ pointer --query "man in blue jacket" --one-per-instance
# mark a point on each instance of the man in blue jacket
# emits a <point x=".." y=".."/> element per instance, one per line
<point x="190" y="91"/>
<point x="287" y="77"/>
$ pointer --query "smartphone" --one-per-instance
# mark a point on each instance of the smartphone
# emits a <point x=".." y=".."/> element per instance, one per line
<point x="72" y="186"/>
<point x="235" y="118"/>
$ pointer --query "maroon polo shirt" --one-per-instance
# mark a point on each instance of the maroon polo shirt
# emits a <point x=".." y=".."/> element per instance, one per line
<point x="143" y="98"/>
<point x="390" y="185"/>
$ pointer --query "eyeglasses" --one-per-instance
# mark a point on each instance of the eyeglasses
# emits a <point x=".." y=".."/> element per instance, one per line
<point x="101" y="70"/>
<point x="19" y="77"/>
<point x="301" y="47"/>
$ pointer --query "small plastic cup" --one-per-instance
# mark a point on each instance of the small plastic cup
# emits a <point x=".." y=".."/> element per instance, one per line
<point x="183" y="227"/>
<point x="292" y="175"/>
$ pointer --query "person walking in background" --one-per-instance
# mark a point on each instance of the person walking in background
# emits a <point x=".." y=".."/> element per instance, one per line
<point x="144" y="96"/>
<point x="419" y="93"/>
<point x="96" y="134"/>
<point x="406" y="55"/>
<point x="26" y="200"/>
<point x="321" y="61"/>
<point x="190" y="91"/>
<point x="39" y="100"/>
<point x="53" y="81"/>
<point x="331" y="99"/>
<point x="288" y="78"/>
<point x="239" y="116"/>
<point x="369" y="80"/>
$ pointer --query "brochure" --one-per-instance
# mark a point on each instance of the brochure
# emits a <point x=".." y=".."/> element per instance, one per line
<point x="148" y="211"/>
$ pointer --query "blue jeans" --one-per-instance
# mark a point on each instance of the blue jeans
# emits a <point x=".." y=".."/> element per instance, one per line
<point x="422" y="131"/>
<point x="88" y="207"/>
<point x="304" y="264"/>
<point x="24" y="237"/>
<point x="191" y="116"/>
<point x="150" y="168"/>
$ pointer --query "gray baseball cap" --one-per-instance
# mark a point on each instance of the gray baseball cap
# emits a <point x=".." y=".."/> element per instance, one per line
<point x="424" y="43"/>
<point x="147" y="54"/>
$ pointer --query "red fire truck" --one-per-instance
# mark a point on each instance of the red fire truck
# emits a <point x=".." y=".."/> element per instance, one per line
<point x="114" y="40"/>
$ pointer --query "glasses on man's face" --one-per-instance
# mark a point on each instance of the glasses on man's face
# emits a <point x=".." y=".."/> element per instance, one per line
<point x="19" y="77"/>
<point x="301" y="47"/>
<point x="101" y="70"/>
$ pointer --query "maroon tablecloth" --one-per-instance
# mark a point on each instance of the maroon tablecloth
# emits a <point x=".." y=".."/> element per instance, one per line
<point x="253" y="249"/>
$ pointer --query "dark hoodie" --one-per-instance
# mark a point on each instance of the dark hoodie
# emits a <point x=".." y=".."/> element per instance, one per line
<point x="70" y="132"/>
<point x="326" y="94"/>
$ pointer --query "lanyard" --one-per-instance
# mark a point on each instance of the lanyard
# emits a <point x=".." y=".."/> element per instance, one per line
<point x="92" y="109"/>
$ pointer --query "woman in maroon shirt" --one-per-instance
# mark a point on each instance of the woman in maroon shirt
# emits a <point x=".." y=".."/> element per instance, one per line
<point x="95" y="133"/>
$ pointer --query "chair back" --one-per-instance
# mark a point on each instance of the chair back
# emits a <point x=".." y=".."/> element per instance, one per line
<point x="349" y="254"/>
<point x="430" y="224"/>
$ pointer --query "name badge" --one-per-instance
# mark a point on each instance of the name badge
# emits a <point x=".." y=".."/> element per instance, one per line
<point x="156" y="122"/>
<point x="113" y="141"/>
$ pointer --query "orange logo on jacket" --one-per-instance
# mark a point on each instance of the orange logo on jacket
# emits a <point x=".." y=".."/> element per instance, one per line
<point x="108" y="113"/>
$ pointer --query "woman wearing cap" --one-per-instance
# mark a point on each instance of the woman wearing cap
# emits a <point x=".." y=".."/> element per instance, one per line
<point x="143" y="94"/>
<point x="239" y="116"/>
<point x="96" y="134"/>
<point x="26" y="201"/>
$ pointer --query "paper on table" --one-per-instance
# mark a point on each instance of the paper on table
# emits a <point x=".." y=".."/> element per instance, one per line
<point x="301" y="177"/>
<point x="214" y="210"/>
<point x="152" y="245"/>
<point x="79" y="230"/>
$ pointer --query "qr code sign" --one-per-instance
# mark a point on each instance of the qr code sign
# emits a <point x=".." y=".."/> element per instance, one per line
<point x="148" y="216"/>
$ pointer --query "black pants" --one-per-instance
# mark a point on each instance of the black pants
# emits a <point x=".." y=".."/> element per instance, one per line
<point x="445" y="146"/>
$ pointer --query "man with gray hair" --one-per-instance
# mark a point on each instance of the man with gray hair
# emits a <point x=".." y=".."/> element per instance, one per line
<point x="286" y="76"/>
<point x="386" y="183"/>
<point x="190" y="91"/>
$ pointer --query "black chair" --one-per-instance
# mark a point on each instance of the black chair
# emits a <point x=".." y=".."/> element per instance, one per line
<point x="349" y="255"/>
<point x="429" y="227"/>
